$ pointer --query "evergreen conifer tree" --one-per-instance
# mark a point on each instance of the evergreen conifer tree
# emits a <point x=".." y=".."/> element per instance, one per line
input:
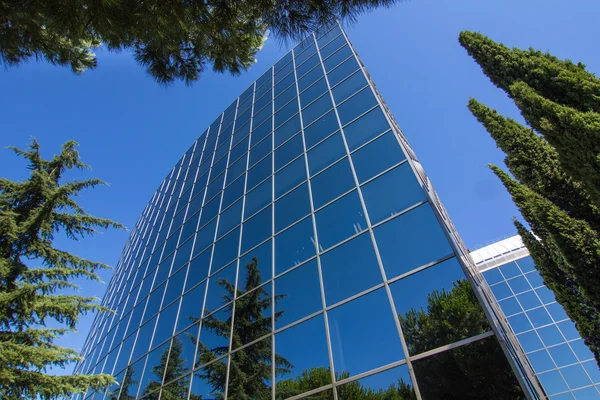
<point x="250" y="369"/>
<point x="174" y="40"/>
<point x="557" y="167"/>
<point x="34" y="275"/>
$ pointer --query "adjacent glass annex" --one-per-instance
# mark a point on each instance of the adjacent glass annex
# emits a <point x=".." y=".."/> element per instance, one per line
<point x="297" y="249"/>
<point x="562" y="362"/>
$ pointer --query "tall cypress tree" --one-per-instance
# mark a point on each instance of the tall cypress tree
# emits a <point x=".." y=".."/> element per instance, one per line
<point x="552" y="266"/>
<point x="34" y="275"/>
<point x="557" y="167"/>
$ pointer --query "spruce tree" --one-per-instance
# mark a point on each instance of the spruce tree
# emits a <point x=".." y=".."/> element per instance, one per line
<point x="250" y="368"/>
<point x="556" y="164"/>
<point x="34" y="276"/>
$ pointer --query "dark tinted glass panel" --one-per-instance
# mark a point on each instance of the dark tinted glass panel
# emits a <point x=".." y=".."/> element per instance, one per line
<point x="327" y="48"/>
<point x="262" y="115"/>
<point x="191" y="306"/>
<point x="410" y="241"/>
<point x="284" y="84"/>
<point x="209" y="211"/>
<point x="260" y="103"/>
<point x="233" y="192"/>
<point x="459" y="371"/>
<point x="307" y="65"/>
<point x="205" y="237"/>
<point x="230" y="218"/>
<point x="285" y="113"/>
<point x="260" y="132"/>
<point x="153" y="374"/>
<point x="304" y="50"/>
<point x="309" y="78"/>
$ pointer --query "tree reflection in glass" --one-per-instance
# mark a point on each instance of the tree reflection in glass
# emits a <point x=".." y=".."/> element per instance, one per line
<point x="475" y="371"/>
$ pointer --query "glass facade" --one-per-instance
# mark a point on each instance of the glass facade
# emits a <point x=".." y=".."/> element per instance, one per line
<point x="564" y="365"/>
<point x="298" y="250"/>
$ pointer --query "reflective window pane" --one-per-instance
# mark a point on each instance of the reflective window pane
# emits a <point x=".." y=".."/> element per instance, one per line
<point x="215" y="333"/>
<point x="258" y="198"/>
<point x="461" y="371"/>
<point x="336" y="58"/>
<point x="230" y="218"/>
<point x="436" y="307"/>
<point x="298" y="294"/>
<point x="259" y="173"/>
<point x="377" y="156"/>
<point x="392" y="193"/>
<point x="320" y="129"/>
<point x="332" y="182"/>
<point x="340" y="220"/>
<point x="313" y="92"/>
<point x="264" y="258"/>
<point x="410" y="241"/>
<point x="294" y="245"/>
<point x="350" y="269"/>
<point x="292" y="207"/>
<point x="304" y="348"/>
<point x="394" y="383"/>
<point x="258" y="384"/>
<point x="356" y="105"/>
<point x="221" y="288"/>
<point x="259" y="151"/>
<point x="285" y="113"/>
<point x="349" y="86"/>
<point x="288" y="151"/>
<point x="191" y="307"/>
<point x="285" y="97"/>
<point x="326" y="153"/>
<point x="365" y="128"/>
<point x="226" y="249"/>
<point x="287" y="130"/>
<point x="253" y="312"/>
<point x="316" y="109"/>
<point x="257" y="229"/>
<point x="290" y="176"/>
<point x="372" y="343"/>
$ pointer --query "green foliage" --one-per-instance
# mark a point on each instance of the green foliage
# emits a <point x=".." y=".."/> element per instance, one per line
<point x="170" y="366"/>
<point x="450" y="316"/>
<point x="552" y="266"/>
<point x="556" y="80"/>
<point x="32" y="212"/>
<point x="250" y="369"/>
<point x="319" y="376"/>
<point x="460" y="373"/>
<point x="535" y="163"/>
<point x="557" y="167"/>
<point x="174" y="40"/>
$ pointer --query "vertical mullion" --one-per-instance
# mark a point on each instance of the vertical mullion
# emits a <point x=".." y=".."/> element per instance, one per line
<point x="314" y="222"/>
<point x="273" y="367"/>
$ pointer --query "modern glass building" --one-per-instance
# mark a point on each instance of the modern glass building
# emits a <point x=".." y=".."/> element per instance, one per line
<point x="297" y="250"/>
<point x="564" y="365"/>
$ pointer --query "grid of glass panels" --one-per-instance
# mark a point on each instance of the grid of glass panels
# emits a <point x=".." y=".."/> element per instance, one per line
<point x="292" y="252"/>
<point x="563" y="363"/>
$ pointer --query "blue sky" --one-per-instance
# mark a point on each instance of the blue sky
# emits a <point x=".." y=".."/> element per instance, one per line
<point x="132" y="131"/>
